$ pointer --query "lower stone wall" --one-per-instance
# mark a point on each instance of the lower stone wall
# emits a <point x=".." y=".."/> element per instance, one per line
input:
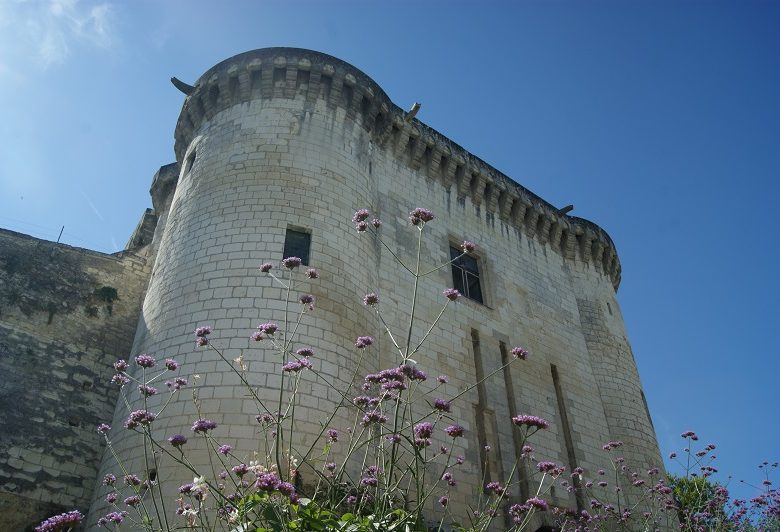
<point x="65" y="315"/>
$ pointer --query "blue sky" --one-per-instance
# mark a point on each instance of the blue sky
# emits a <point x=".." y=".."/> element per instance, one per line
<point x="660" y="121"/>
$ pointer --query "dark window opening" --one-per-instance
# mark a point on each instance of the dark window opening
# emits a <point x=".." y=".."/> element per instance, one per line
<point x="297" y="244"/>
<point x="190" y="162"/>
<point x="465" y="275"/>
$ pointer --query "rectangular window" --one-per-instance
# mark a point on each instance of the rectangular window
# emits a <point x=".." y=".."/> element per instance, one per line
<point x="465" y="275"/>
<point x="296" y="244"/>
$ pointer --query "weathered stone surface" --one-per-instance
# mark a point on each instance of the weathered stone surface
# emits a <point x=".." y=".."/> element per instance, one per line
<point x="65" y="315"/>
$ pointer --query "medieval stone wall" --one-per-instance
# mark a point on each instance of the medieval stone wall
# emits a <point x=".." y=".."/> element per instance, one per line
<point x="65" y="315"/>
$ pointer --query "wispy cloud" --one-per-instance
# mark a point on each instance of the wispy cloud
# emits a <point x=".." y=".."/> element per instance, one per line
<point x="47" y="32"/>
<point x="92" y="206"/>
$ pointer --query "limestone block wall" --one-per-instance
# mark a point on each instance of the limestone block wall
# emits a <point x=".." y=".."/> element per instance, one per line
<point x="286" y="138"/>
<point x="65" y="315"/>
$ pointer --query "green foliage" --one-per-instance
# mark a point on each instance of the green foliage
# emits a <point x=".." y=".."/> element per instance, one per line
<point x="695" y="496"/>
<point x="307" y="515"/>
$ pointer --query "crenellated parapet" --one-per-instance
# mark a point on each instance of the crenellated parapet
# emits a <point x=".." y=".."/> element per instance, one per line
<point x="293" y="73"/>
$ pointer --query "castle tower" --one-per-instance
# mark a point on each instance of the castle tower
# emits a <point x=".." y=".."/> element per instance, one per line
<point x="279" y="147"/>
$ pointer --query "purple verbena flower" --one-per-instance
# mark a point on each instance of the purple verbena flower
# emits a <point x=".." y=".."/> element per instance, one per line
<point x="442" y="405"/>
<point x="139" y="417"/>
<point x="370" y="299"/>
<point x="376" y="222"/>
<point x="59" y="522"/>
<point x="306" y="299"/>
<point x="517" y="511"/>
<point x="536" y="502"/>
<point x="451" y="294"/>
<point x="203" y="331"/>
<point x="132" y="480"/>
<point x="203" y="425"/>
<point x="120" y="365"/>
<point x="369" y="482"/>
<point x="109" y="480"/>
<point x="177" y="383"/>
<point x="443" y="500"/>
<point x="363" y="341"/>
<point x="468" y="246"/>
<point x="264" y="418"/>
<point x="291" y="262"/>
<point x="224" y="449"/>
<point x="520" y="352"/>
<point x="133" y="500"/>
<point x="257" y="336"/>
<point x="530" y="421"/>
<point x="201" y="341"/>
<point x="424" y="429"/>
<point x="305" y="352"/>
<point x="171" y="364"/>
<point x="266" y="267"/>
<point x="443" y="379"/>
<point x="455" y="431"/>
<point x="297" y="365"/>
<point x="119" y="379"/>
<point x="268" y="328"/>
<point x="393" y="385"/>
<point x="422" y="442"/>
<point x="103" y="428"/>
<point x="333" y="435"/>
<point x="494" y="487"/>
<point x="145" y="361"/>
<point x="177" y="440"/>
<point x="420" y="215"/>
<point x="267" y="481"/>
<point x="546" y="467"/>
<point x="285" y="488"/>
<point x="113" y="517"/>
<point x="413" y="372"/>
<point x="360" y="215"/>
<point x="374" y="416"/>
<point x="311" y="273"/>
<point x="240" y="470"/>
<point x="147" y="390"/>
<point x="361" y="227"/>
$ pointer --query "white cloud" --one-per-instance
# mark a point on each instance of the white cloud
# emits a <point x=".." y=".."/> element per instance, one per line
<point x="47" y="32"/>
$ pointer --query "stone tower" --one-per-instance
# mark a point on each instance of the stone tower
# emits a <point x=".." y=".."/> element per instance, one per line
<point x="277" y="143"/>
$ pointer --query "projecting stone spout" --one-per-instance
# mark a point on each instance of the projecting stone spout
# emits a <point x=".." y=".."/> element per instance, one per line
<point x="179" y="84"/>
